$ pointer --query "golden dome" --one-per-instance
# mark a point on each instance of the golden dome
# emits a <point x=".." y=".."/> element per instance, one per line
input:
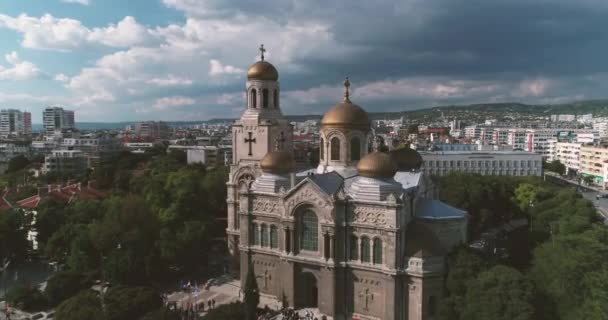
<point x="407" y="159"/>
<point x="377" y="165"/>
<point x="262" y="70"/>
<point x="346" y="115"/>
<point x="278" y="162"/>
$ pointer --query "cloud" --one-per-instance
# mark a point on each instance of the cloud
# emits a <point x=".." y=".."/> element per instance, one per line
<point x="216" y="68"/>
<point x="61" y="78"/>
<point x="18" y="70"/>
<point x="65" y="34"/>
<point x="170" y="81"/>
<point x="172" y="102"/>
<point x="82" y="2"/>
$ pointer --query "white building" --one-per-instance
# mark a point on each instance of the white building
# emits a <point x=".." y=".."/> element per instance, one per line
<point x="57" y="119"/>
<point x="594" y="163"/>
<point x="210" y="156"/>
<point x="568" y="153"/>
<point x="509" y="163"/>
<point x="15" y="123"/>
<point x="601" y="126"/>
<point x="65" y="161"/>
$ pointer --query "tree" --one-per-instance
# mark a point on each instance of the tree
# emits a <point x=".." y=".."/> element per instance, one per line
<point x="50" y="217"/>
<point x="555" y="166"/>
<point x="85" y="305"/>
<point x="64" y="285"/>
<point x="497" y="294"/>
<point x="26" y="297"/>
<point x="126" y="303"/>
<point x="17" y="163"/>
<point x="252" y="295"/>
<point x="525" y="195"/>
<point x="14" y="227"/>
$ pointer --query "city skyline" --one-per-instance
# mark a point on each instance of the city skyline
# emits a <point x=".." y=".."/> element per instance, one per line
<point x="186" y="59"/>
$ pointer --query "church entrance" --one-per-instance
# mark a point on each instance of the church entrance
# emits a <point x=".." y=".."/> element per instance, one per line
<point x="308" y="291"/>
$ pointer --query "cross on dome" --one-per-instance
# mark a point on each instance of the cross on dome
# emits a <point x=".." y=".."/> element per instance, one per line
<point x="262" y="50"/>
<point x="346" y="90"/>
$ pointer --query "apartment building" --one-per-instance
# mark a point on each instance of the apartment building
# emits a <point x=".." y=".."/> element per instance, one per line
<point x="510" y="163"/>
<point x="594" y="163"/>
<point x="15" y="123"/>
<point x="57" y="119"/>
<point x="568" y="153"/>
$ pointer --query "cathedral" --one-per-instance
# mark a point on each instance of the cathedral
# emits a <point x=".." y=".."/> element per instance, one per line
<point x="362" y="236"/>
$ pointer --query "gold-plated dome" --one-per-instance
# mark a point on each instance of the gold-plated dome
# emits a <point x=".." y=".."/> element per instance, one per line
<point x="346" y="114"/>
<point x="278" y="162"/>
<point x="377" y="165"/>
<point x="262" y="70"/>
<point x="407" y="159"/>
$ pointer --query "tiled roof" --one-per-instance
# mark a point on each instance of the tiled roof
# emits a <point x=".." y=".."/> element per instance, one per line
<point x="435" y="209"/>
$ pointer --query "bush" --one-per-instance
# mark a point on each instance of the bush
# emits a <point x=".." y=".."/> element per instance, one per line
<point x="27" y="297"/>
<point x="64" y="285"/>
<point x="85" y="305"/>
<point x="126" y="303"/>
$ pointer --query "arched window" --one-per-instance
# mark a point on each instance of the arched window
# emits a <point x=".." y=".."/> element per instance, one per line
<point x="354" y="248"/>
<point x="377" y="251"/>
<point x="322" y="149"/>
<point x="265" y="98"/>
<point x="276" y="99"/>
<point x="254" y="98"/>
<point x="355" y="149"/>
<point x="309" y="231"/>
<point x="264" y="235"/>
<point x="274" y="237"/>
<point x="256" y="234"/>
<point x="365" y="249"/>
<point x="335" y="148"/>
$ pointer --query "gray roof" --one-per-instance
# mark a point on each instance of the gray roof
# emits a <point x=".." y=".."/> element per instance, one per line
<point x="330" y="182"/>
<point x="435" y="209"/>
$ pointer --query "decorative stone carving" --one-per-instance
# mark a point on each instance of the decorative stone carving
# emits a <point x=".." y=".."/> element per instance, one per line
<point x="367" y="215"/>
<point x="265" y="205"/>
<point x="306" y="194"/>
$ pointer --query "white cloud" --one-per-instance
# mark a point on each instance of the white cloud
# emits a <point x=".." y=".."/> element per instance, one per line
<point x="62" y="78"/>
<point x="82" y="2"/>
<point x="18" y="70"/>
<point x="533" y="88"/>
<point x="170" y="81"/>
<point x="216" y="68"/>
<point x="172" y="102"/>
<point x="65" y="34"/>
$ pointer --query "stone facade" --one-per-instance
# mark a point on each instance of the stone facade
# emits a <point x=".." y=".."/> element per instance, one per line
<point x="355" y="247"/>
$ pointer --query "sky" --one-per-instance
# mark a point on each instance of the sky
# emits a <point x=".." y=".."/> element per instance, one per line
<point x="116" y="60"/>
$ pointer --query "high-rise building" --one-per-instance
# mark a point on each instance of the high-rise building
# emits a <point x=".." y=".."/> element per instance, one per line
<point x="152" y="129"/>
<point x="57" y="119"/>
<point x="15" y="123"/>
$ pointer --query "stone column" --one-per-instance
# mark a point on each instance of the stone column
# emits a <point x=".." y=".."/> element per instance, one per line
<point x="331" y="248"/>
<point x="359" y="249"/>
<point x="291" y="241"/>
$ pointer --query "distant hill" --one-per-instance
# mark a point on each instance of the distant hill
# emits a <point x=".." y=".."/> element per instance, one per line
<point x="471" y="112"/>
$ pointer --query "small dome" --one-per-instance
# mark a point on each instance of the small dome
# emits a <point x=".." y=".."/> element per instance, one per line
<point x="278" y="162"/>
<point x="262" y="70"/>
<point x="377" y="165"/>
<point x="346" y="115"/>
<point x="407" y="159"/>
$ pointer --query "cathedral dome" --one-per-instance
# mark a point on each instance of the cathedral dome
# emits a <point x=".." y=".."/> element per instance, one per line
<point x="262" y="70"/>
<point x="278" y="162"/>
<point x="346" y="114"/>
<point x="407" y="159"/>
<point x="377" y="165"/>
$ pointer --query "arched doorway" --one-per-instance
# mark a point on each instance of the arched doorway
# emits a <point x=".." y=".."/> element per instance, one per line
<point x="309" y="291"/>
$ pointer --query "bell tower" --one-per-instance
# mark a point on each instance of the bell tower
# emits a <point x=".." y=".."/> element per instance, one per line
<point x="253" y="136"/>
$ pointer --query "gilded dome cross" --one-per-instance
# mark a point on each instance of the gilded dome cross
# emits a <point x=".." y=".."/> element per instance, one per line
<point x="346" y="90"/>
<point x="262" y="50"/>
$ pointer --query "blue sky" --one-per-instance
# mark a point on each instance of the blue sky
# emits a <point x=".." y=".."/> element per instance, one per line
<point x="116" y="60"/>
